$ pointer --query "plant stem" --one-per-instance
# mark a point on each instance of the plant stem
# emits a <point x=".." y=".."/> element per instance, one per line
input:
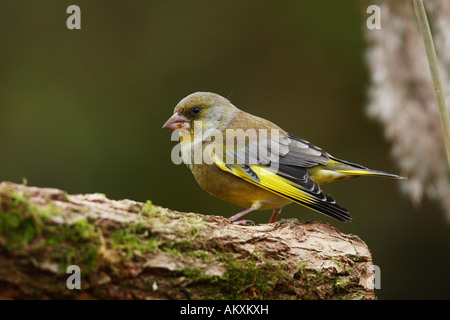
<point x="433" y="64"/>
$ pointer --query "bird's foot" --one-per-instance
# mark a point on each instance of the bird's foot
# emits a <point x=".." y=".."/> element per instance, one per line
<point x="234" y="219"/>
<point x="244" y="222"/>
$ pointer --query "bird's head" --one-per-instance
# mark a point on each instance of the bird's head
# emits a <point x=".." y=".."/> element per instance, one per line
<point x="209" y="110"/>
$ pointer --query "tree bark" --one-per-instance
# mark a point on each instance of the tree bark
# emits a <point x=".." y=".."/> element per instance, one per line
<point x="131" y="250"/>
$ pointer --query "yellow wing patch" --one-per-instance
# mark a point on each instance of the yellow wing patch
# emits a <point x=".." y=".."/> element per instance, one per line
<point x="269" y="181"/>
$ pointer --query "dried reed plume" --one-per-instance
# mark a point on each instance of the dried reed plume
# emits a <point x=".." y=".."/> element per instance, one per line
<point x="402" y="97"/>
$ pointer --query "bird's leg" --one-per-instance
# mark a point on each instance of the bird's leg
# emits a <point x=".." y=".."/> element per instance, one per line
<point x="255" y="206"/>
<point x="274" y="214"/>
<point x="239" y="215"/>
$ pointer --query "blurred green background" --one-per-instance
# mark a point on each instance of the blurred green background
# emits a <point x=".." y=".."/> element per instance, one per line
<point x="82" y="110"/>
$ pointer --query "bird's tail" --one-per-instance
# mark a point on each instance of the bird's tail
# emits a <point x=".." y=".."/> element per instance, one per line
<point x="338" y="169"/>
<point x="354" y="169"/>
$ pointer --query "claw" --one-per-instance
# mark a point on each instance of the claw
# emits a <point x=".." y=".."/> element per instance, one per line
<point x="244" y="222"/>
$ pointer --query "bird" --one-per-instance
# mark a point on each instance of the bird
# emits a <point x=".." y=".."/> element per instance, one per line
<point x="288" y="170"/>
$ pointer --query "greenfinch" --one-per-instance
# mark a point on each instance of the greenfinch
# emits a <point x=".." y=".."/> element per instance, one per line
<point x="267" y="169"/>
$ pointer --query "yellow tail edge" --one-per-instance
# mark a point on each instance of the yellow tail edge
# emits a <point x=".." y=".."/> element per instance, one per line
<point x="369" y="172"/>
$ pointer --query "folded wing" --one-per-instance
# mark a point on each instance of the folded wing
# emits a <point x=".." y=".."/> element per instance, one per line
<point x="281" y="167"/>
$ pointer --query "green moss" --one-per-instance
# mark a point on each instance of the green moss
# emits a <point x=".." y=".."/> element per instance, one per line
<point x="148" y="209"/>
<point x="77" y="233"/>
<point x="178" y="248"/>
<point x="76" y="243"/>
<point x="252" y="279"/>
<point x="192" y="227"/>
<point x="302" y="267"/>
<point x="188" y="230"/>
<point x="134" y="240"/>
<point x="65" y="197"/>
<point x="172" y="250"/>
<point x="86" y="257"/>
<point x="19" y="220"/>
<point x="21" y="223"/>
<point x="240" y="278"/>
<point x="203" y="255"/>
<point x="194" y="274"/>
<point x="340" y="284"/>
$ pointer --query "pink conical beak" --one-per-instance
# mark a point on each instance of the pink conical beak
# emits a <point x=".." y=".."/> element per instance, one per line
<point x="177" y="122"/>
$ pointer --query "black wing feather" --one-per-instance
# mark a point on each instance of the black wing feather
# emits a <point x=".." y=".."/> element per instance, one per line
<point x="292" y="165"/>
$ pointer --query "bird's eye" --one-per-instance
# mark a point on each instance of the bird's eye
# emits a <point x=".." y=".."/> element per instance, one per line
<point x="195" y="110"/>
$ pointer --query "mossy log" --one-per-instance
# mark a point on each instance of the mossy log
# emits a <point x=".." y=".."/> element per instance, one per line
<point x="132" y="250"/>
